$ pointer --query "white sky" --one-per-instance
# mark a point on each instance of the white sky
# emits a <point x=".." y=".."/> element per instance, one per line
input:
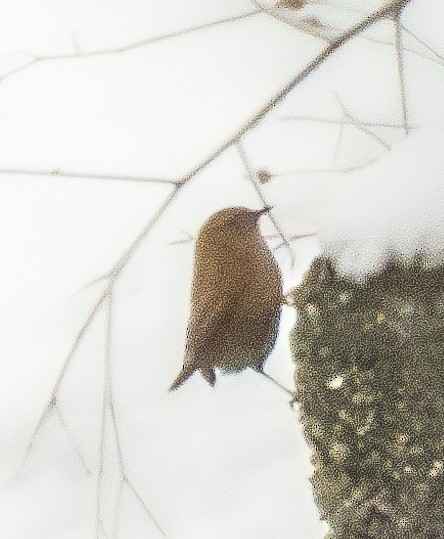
<point x="229" y="463"/>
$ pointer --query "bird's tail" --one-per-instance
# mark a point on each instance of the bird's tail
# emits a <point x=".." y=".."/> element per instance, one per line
<point x="207" y="372"/>
<point x="184" y="374"/>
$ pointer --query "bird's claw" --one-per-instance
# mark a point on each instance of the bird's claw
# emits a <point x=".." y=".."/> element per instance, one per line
<point x="288" y="300"/>
<point x="294" y="399"/>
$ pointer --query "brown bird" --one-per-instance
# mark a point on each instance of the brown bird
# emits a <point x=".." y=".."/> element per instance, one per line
<point x="236" y="297"/>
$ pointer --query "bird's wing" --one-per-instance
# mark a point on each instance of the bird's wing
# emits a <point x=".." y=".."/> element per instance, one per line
<point x="210" y="311"/>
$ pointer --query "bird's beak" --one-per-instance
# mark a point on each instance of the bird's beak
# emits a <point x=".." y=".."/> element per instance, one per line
<point x="264" y="210"/>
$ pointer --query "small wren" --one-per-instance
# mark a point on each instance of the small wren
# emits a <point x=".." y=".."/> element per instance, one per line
<point x="236" y="297"/>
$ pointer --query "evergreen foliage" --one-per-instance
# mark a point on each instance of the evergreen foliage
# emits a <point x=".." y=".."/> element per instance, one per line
<point x="369" y="377"/>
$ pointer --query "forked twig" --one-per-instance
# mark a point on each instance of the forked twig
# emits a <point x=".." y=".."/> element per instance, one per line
<point x="108" y="405"/>
<point x="360" y="125"/>
<point x="71" y="438"/>
<point x="433" y="51"/>
<point x="296" y="237"/>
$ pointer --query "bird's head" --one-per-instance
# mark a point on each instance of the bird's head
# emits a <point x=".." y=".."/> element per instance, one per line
<point x="235" y="219"/>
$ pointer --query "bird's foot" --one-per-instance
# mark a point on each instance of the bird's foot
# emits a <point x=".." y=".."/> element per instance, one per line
<point x="288" y="299"/>
<point x="275" y="382"/>
<point x="294" y="400"/>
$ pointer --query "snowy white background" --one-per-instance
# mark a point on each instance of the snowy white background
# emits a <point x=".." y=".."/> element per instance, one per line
<point x="228" y="463"/>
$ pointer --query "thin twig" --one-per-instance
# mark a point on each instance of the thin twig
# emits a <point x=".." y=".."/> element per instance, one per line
<point x="339" y="141"/>
<point x="105" y="400"/>
<point x="358" y="124"/>
<point x="126" y="48"/>
<point x="260" y="194"/>
<point x="189" y="237"/>
<point x="278" y="384"/>
<point x="344" y="122"/>
<point x="121" y="263"/>
<point x="103" y="532"/>
<point x="378" y="41"/>
<point x="299" y="77"/>
<point x="109" y="377"/>
<point x="342" y="170"/>
<point x="53" y="398"/>
<point x="109" y="403"/>
<point x="294" y="238"/>
<point x="433" y="51"/>
<point x="117" y="508"/>
<point x="401" y="73"/>
<point x="301" y="25"/>
<point x="71" y="438"/>
<point x="31" y="62"/>
<point x="144" y="506"/>
<point x="83" y="175"/>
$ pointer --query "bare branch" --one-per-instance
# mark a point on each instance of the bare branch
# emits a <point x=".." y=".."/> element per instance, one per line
<point x="332" y="170"/>
<point x="298" y="4"/>
<point x="117" y="508"/>
<point x="189" y="237"/>
<point x="385" y="11"/>
<point x="53" y="398"/>
<point x="105" y="400"/>
<point x="31" y="62"/>
<point x="295" y="238"/>
<point x="58" y="173"/>
<point x="120" y="265"/>
<point x="71" y="438"/>
<point x="102" y="531"/>
<point x="433" y="51"/>
<point x="108" y="403"/>
<point x="144" y="506"/>
<point x="345" y="121"/>
<point x="437" y="60"/>
<point x="312" y="27"/>
<point x="262" y="198"/>
<point x="361" y="127"/>
<point x="339" y="141"/>
<point x="401" y="73"/>
<point x="126" y="48"/>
